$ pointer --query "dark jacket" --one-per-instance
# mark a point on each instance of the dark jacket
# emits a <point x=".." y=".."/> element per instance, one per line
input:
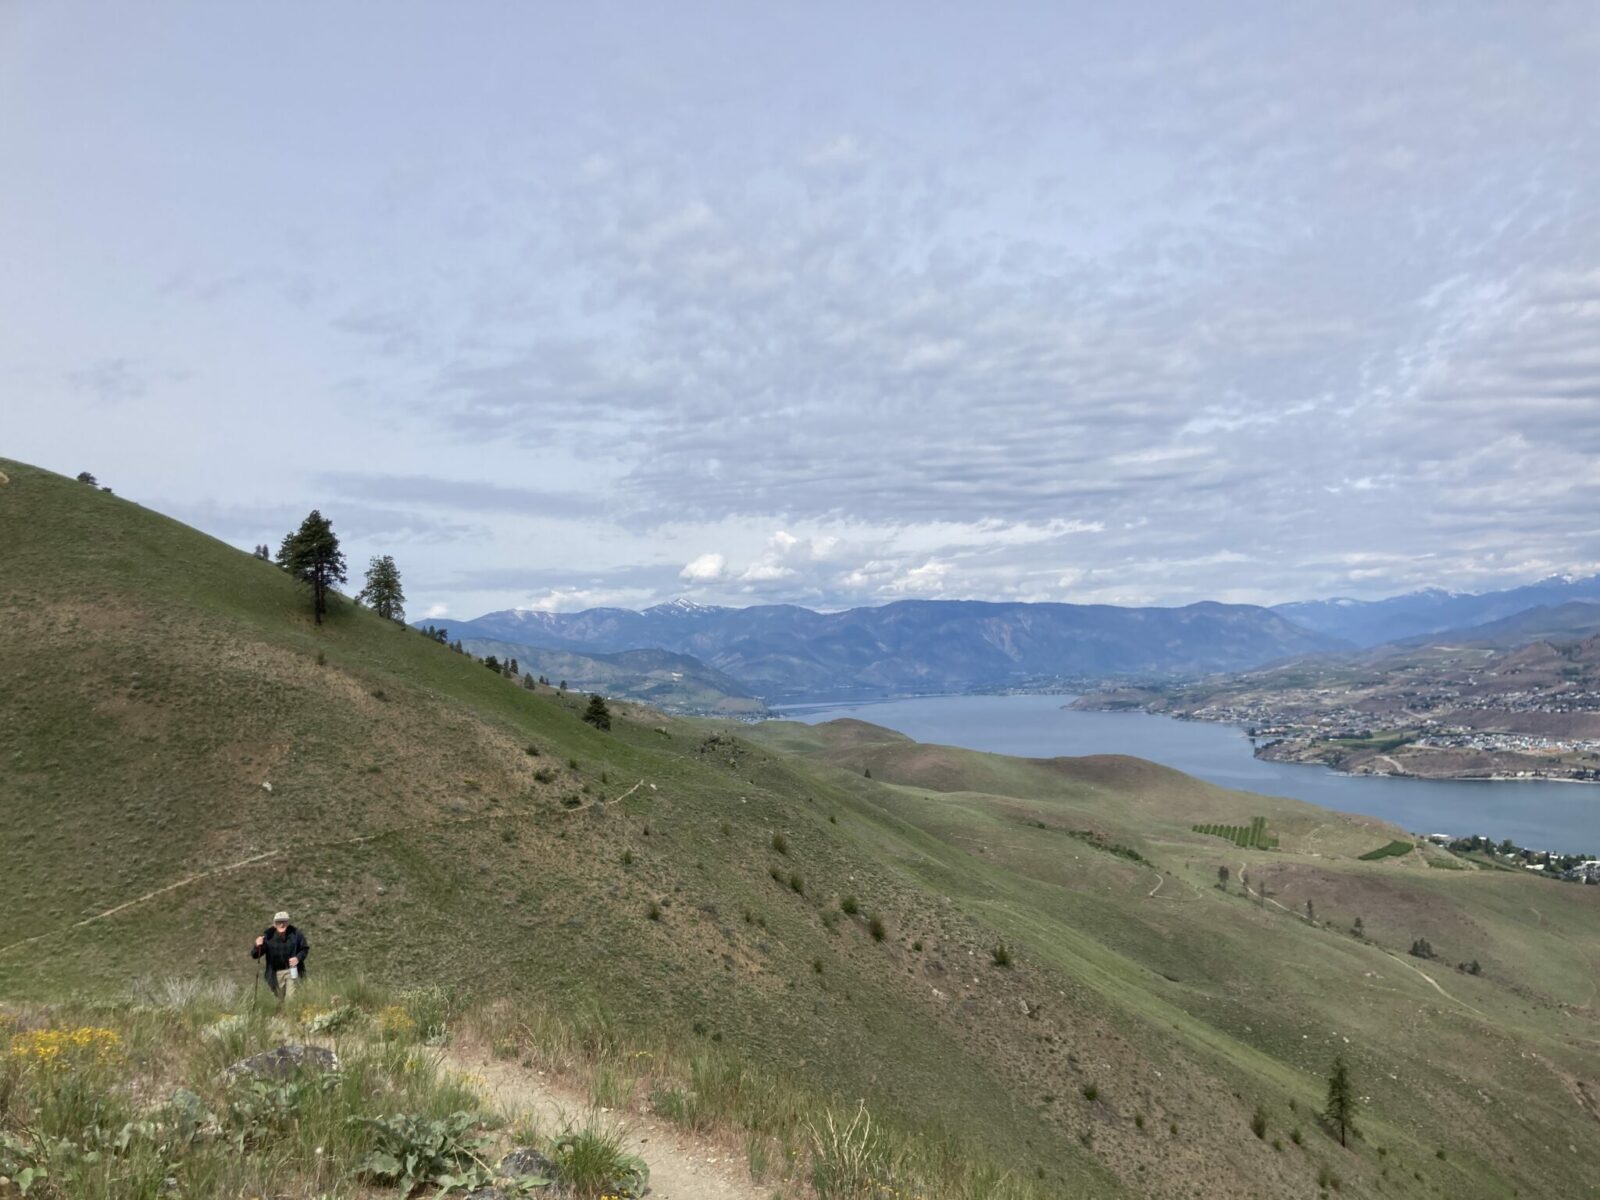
<point x="278" y="949"/>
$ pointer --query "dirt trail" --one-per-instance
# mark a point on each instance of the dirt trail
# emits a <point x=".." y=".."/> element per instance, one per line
<point x="269" y="855"/>
<point x="682" y="1167"/>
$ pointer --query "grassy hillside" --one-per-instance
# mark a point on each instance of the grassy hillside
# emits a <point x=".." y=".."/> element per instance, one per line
<point x="429" y="821"/>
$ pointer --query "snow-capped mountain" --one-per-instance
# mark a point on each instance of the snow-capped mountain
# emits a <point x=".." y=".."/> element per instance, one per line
<point x="1431" y="610"/>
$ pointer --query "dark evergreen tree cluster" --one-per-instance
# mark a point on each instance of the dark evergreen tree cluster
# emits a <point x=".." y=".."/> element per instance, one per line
<point x="1341" y="1108"/>
<point x="312" y="555"/>
<point x="597" y="714"/>
<point x="383" y="592"/>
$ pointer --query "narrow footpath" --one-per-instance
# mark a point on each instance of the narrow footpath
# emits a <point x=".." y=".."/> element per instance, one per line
<point x="682" y="1166"/>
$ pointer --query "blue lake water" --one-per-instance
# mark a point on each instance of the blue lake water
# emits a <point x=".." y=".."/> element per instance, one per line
<point x="1557" y="816"/>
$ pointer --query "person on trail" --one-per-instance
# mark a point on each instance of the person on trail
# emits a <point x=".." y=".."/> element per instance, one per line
<point x="285" y="948"/>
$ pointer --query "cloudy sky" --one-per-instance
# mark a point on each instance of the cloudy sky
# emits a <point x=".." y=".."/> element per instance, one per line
<point x="1133" y="303"/>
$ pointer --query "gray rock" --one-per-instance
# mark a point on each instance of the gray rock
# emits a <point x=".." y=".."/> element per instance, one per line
<point x="525" y="1160"/>
<point x="283" y="1062"/>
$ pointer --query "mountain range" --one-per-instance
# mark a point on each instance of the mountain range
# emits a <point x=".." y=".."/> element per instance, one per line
<point x="787" y="653"/>
<point x="1432" y="610"/>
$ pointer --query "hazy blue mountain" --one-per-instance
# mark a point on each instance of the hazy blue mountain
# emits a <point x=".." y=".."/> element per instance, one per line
<point x="1373" y="622"/>
<point x="784" y="652"/>
<point x="1575" y="620"/>
<point x="677" y="683"/>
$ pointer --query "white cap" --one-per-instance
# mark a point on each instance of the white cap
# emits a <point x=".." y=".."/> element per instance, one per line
<point x="280" y="916"/>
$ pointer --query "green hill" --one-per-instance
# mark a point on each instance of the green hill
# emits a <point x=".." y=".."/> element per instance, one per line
<point x="431" y="822"/>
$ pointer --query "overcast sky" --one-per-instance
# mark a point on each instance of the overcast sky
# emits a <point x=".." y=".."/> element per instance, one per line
<point x="831" y="304"/>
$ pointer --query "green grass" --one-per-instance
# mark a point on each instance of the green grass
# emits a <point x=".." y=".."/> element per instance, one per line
<point x="1394" y="849"/>
<point x="1253" y="836"/>
<point x="144" y="706"/>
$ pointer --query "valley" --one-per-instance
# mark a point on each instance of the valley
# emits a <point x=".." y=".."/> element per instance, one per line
<point x="1020" y="964"/>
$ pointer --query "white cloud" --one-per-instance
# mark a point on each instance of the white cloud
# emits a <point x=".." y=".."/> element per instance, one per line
<point x="437" y="610"/>
<point x="576" y="599"/>
<point x="708" y="568"/>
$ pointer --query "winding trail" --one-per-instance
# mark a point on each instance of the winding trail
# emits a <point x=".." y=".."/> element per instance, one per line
<point x="683" y="1166"/>
<point x="269" y="855"/>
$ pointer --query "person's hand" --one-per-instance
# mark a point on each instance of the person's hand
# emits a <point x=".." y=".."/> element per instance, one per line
<point x="294" y="962"/>
<point x="261" y="941"/>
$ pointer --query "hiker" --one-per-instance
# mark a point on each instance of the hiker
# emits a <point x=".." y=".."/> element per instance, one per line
<point x="285" y="949"/>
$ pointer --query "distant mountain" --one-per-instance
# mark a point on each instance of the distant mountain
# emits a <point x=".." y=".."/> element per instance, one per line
<point x="784" y="652"/>
<point x="1577" y="619"/>
<point x="1373" y="622"/>
<point x="676" y="683"/>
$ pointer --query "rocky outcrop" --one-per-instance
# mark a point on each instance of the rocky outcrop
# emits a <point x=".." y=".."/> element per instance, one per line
<point x="284" y="1062"/>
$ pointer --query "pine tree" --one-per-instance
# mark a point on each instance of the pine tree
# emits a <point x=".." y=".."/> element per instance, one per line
<point x="85" y="477"/>
<point x="597" y="714"/>
<point x="1341" y="1109"/>
<point x="383" y="591"/>
<point x="1222" y="878"/>
<point x="312" y="555"/>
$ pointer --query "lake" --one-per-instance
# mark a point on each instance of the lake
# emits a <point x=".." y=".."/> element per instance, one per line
<point x="1564" y="817"/>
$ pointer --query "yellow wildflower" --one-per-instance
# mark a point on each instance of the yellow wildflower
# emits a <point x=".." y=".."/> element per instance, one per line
<point x="47" y="1049"/>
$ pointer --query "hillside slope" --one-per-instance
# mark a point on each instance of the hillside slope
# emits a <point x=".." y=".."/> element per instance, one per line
<point x="429" y="821"/>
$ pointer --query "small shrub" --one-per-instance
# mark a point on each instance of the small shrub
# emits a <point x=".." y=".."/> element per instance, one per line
<point x="1001" y="955"/>
<point x="1296" y="1136"/>
<point x="727" y="829"/>
<point x="655" y="910"/>
<point x="531" y="751"/>
<point x="816" y="965"/>
<point x="572" y="763"/>
<point x="849" y="905"/>
<point x="780" y="843"/>
<point x="1258" y="1122"/>
<point x="543" y="775"/>
<point x="593" y="1163"/>
<point x="797" y="884"/>
<point x="627" y="858"/>
<point x="776" y="872"/>
<point x="917" y="945"/>
<point x="1138" y="1120"/>
<point x="412" y="1151"/>
<point x="876" y="928"/>
<point x="1091" y="1091"/>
